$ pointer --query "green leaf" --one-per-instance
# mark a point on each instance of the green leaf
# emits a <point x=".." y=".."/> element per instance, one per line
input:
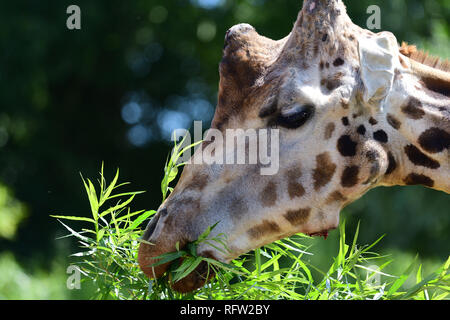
<point x="93" y="200"/>
<point x="141" y="219"/>
<point x="205" y="233"/>
<point x="352" y="250"/>
<point x="399" y="282"/>
<point x="187" y="266"/>
<point x="167" y="257"/>
<point x="258" y="261"/>
<point x="129" y="215"/>
<point x="172" y="174"/>
<point x="192" y="249"/>
<point x="74" y="218"/>
<point x="76" y="234"/>
<point x="106" y="194"/>
<point x="125" y="194"/>
<point x="117" y="207"/>
<point x="100" y="234"/>
<point x="419" y="287"/>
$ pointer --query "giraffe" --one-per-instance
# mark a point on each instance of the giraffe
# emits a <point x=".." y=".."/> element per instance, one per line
<point x="354" y="111"/>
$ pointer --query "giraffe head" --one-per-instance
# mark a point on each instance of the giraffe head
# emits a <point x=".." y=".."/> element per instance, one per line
<point x="348" y="107"/>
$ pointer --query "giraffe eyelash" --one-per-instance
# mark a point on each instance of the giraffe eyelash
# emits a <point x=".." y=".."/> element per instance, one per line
<point x="295" y="117"/>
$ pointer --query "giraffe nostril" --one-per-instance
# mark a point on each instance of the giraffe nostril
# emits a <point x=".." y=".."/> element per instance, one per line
<point x="163" y="212"/>
<point x="153" y="222"/>
<point x="150" y="227"/>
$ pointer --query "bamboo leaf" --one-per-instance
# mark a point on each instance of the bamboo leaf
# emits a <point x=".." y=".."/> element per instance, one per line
<point x="186" y="268"/>
<point x="76" y="234"/>
<point x="117" y="207"/>
<point x="399" y="282"/>
<point x="73" y="218"/>
<point x="105" y="196"/>
<point x="93" y="200"/>
<point x="100" y="234"/>
<point x="136" y="223"/>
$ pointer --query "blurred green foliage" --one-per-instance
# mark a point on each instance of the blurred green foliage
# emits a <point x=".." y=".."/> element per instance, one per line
<point x="112" y="91"/>
<point x="12" y="212"/>
<point x="17" y="284"/>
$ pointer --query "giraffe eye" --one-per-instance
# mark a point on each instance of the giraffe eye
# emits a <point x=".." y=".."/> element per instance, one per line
<point x="295" y="116"/>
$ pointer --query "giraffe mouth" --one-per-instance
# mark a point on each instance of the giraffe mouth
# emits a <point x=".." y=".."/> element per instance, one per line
<point x="156" y="244"/>
<point x="148" y="264"/>
<point x="194" y="280"/>
<point x="323" y="234"/>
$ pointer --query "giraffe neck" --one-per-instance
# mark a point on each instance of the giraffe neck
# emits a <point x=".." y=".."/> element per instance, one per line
<point x="418" y="129"/>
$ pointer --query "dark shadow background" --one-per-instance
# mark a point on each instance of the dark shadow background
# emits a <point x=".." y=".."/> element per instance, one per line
<point x="114" y="90"/>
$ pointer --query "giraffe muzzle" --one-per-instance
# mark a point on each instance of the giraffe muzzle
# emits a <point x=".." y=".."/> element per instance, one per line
<point x="157" y="240"/>
<point x="152" y="247"/>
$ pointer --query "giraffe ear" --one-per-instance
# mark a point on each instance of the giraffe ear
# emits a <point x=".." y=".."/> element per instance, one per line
<point x="378" y="58"/>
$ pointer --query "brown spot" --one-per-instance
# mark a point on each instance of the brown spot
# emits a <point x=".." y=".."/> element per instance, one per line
<point x="392" y="164"/>
<point x="419" y="158"/>
<point x="434" y="140"/>
<point x="329" y="129"/>
<point x="349" y="177"/>
<point x="269" y="194"/>
<point x="372" y="121"/>
<point x="438" y="86"/>
<point x="327" y="65"/>
<point x="321" y="65"/>
<point x="266" y="227"/>
<point x="361" y="130"/>
<point x="380" y="136"/>
<point x="238" y="206"/>
<point x="324" y="170"/>
<point x="295" y="189"/>
<point x="331" y="83"/>
<point x="413" y="109"/>
<point x="338" y="62"/>
<point x="393" y="121"/>
<point x="297" y="217"/>
<point x="346" y="146"/>
<point x="415" y="179"/>
<point x="336" y="196"/>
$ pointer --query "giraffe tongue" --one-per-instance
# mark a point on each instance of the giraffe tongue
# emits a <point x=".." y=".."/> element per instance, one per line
<point x="323" y="234"/>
